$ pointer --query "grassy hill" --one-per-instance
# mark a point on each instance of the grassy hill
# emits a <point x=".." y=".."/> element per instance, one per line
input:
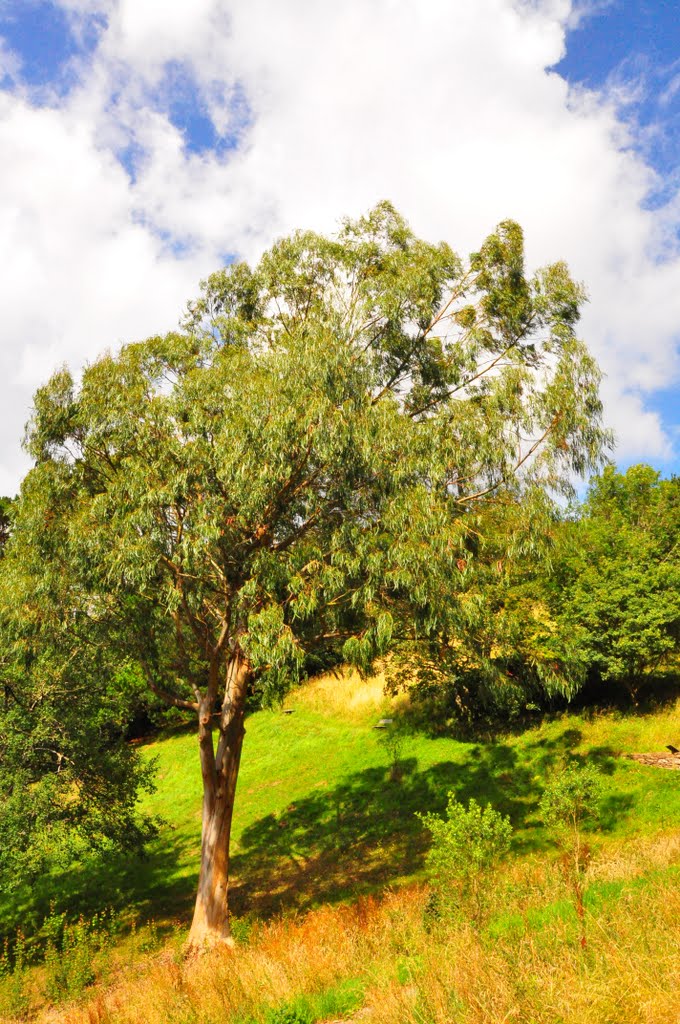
<point x="319" y="818"/>
<point x="322" y="818"/>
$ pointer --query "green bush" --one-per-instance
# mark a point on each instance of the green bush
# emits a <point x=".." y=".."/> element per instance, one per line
<point x="465" y="845"/>
<point x="297" y="1013"/>
<point x="570" y="801"/>
<point x="69" y="961"/>
<point x="13" y="966"/>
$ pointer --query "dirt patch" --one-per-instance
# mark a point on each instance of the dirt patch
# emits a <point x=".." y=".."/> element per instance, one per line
<point x="657" y="760"/>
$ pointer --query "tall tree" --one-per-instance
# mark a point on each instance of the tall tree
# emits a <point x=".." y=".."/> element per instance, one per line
<point x="303" y="467"/>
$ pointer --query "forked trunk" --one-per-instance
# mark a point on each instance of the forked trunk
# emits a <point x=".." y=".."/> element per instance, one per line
<point x="210" y="925"/>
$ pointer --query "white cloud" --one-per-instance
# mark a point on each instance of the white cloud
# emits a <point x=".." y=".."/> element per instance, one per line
<point x="444" y="106"/>
<point x="10" y="65"/>
<point x="583" y="10"/>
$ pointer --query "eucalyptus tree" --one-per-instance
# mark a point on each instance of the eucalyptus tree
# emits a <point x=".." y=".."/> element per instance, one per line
<point x="303" y="465"/>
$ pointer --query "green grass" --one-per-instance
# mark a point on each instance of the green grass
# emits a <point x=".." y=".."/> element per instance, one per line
<point x="318" y="817"/>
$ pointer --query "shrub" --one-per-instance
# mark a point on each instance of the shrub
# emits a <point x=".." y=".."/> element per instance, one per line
<point x="465" y="845"/>
<point x="297" y="1013"/>
<point x="570" y="802"/>
<point x="13" y="967"/>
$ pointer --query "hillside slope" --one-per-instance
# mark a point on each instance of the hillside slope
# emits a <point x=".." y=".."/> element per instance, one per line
<point x="319" y="817"/>
<point x="326" y="815"/>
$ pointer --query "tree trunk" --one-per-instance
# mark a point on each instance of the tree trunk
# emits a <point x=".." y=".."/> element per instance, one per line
<point x="210" y="925"/>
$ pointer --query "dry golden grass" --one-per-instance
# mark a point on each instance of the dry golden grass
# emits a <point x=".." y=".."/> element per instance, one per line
<point x="517" y="970"/>
<point x="635" y="856"/>
<point x="344" y="692"/>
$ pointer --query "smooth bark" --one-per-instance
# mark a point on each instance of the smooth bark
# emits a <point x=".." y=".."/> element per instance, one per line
<point x="210" y="925"/>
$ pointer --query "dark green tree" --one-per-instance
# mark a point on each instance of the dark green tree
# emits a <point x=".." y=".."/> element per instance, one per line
<point x="67" y="783"/>
<point x="302" y="468"/>
<point x="616" y="589"/>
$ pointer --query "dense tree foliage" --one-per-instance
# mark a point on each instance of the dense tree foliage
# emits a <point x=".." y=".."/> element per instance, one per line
<point x="616" y="586"/>
<point x="67" y="783"/>
<point x="506" y="653"/>
<point x="310" y="465"/>
<point x="588" y="594"/>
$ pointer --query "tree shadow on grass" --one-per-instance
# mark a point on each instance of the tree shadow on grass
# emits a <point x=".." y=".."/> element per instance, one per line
<point x="655" y="692"/>
<point x="364" y="833"/>
<point x="549" y="753"/>
<point x="134" y="888"/>
<point x="336" y="842"/>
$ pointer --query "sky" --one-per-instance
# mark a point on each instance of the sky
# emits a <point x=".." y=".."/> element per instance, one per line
<point x="144" y="143"/>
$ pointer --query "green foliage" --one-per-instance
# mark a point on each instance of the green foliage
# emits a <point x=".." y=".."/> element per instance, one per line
<point x="331" y="1003"/>
<point x="570" y="801"/>
<point x="6" y="507"/>
<point x="299" y="1013"/>
<point x="506" y="655"/>
<point x="68" y="784"/>
<point x="299" y="462"/>
<point x="68" y="951"/>
<point x="616" y="589"/>
<point x="465" y="846"/>
<point x="68" y="961"/>
<point x="553" y="602"/>
<point x="14" y="997"/>
<point x="304" y="469"/>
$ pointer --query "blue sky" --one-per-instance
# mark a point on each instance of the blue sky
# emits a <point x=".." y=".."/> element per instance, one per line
<point x="636" y="45"/>
<point x="145" y="142"/>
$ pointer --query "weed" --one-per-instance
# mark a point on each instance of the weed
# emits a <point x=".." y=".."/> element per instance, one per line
<point x="242" y="928"/>
<point x="298" y="1013"/>
<point x="69" y="962"/>
<point x="392" y="739"/>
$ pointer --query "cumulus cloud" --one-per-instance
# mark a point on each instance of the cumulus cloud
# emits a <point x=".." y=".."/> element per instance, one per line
<point x="447" y="107"/>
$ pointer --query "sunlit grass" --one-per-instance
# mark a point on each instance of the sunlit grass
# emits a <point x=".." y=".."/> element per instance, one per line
<point x="383" y="956"/>
<point x="319" y="820"/>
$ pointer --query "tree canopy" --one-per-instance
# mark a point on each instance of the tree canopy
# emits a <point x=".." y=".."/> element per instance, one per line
<point x="616" y="586"/>
<point x="67" y="782"/>
<point x="307" y="465"/>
